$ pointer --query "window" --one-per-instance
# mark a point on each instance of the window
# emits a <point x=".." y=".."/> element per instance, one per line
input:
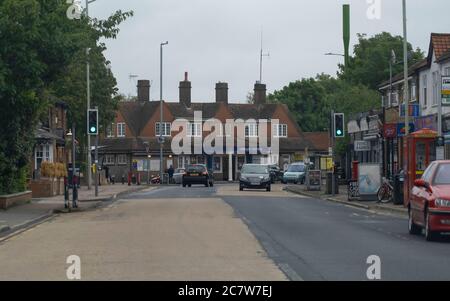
<point x="251" y="130"/>
<point x="122" y="159"/>
<point x="166" y="128"/>
<point x="195" y="130"/>
<point x="217" y="164"/>
<point x="413" y="92"/>
<point x="280" y="130"/>
<point x="225" y="130"/>
<point x="436" y="92"/>
<point x="394" y="99"/>
<point x="121" y="129"/>
<point x="110" y="131"/>
<point x="425" y="90"/>
<point x="109" y="160"/>
<point x="447" y="71"/>
<point x="183" y="161"/>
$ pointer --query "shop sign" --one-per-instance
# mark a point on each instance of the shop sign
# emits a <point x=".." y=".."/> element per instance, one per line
<point x="414" y="110"/>
<point x="363" y="125"/>
<point x="401" y="129"/>
<point x="426" y="122"/>
<point x="390" y="130"/>
<point x="391" y="115"/>
<point x="445" y="90"/>
<point x="362" y="146"/>
<point x="313" y="180"/>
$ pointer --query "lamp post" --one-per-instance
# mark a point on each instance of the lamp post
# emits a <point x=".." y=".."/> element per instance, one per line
<point x="161" y="142"/>
<point x="147" y="150"/>
<point x="88" y="92"/>
<point x="406" y="86"/>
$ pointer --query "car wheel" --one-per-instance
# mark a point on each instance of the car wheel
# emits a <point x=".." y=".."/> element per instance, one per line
<point x="268" y="188"/>
<point x="429" y="234"/>
<point x="184" y="185"/>
<point x="241" y="188"/>
<point x="211" y="184"/>
<point x="412" y="227"/>
<point x="189" y="185"/>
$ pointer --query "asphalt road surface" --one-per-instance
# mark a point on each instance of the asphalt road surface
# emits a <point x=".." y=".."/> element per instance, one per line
<point x="220" y="233"/>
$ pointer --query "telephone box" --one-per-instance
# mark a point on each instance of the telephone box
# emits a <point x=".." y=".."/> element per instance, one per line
<point x="419" y="151"/>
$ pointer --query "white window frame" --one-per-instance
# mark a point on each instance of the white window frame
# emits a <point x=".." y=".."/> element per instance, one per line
<point x="214" y="164"/>
<point x="183" y="161"/>
<point x="251" y="130"/>
<point x="121" y="129"/>
<point x="425" y="90"/>
<point x="122" y="159"/>
<point x="110" y="160"/>
<point x="43" y="152"/>
<point x="280" y="128"/>
<point x="167" y="127"/>
<point x="110" y="131"/>
<point x="194" y="129"/>
<point x="413" y="92"/>
<point x="394" y="98"/>
<point x="435" y="88"/>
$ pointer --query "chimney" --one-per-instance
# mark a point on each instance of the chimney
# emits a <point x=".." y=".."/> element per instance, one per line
<point x="185" y="91"/>
<point x="222" y="92"/>
<point x="143" y="88"/>
<point x="260" y="93"/>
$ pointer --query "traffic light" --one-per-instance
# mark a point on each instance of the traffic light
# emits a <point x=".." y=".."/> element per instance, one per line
<point x="93" y="122"/>
<point x="339" y="128"/>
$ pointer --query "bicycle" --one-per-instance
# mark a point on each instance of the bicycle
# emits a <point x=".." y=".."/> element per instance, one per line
<point x="386" y="192"/>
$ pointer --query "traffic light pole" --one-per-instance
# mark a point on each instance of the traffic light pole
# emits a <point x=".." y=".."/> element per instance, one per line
<point x="333" y="140"/>
<point x="96" y="166"/>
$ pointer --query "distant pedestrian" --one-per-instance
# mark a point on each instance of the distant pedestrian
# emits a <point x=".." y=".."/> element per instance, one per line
<point x="170" y="171"/>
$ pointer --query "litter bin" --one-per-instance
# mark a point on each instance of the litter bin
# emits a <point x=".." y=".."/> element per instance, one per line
<point x="329" y="184"/>
<point x="399" y="179"/>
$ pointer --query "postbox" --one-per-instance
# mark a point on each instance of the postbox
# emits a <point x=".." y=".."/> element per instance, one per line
<point x="419" y="151"/>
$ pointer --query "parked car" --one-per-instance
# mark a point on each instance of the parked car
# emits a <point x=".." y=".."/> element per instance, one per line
<point x="197" y="174"/>
<point x="429" y="204"/>
<point x="276" y="174"/>
<point x="178" y="175"/>
<point x="295" y="173"/>
<point x="255" y="176"/>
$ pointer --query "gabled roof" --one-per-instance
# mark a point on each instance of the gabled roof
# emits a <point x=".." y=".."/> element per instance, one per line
<point x="439" y="45"/>
<point x="137" y="114"/>
<point x="445" y="56"/>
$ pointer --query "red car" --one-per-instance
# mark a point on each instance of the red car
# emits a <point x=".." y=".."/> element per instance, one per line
<point x="429" y="206"/>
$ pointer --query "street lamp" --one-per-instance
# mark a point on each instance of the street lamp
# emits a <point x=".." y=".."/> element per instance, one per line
<point x="147" y="150"/>
<point x="161" y="141"/>
<point x="336" y="54"/>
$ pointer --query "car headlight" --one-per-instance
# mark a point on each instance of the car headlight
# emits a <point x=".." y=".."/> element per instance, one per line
<point x="442" y="203"/>
<point x="266" y="178"/>
<point x="244" y="178"/>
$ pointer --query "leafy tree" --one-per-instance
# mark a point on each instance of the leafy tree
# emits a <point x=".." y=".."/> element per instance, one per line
<point x="39" y="61"/>
<point x="369" y="64"/>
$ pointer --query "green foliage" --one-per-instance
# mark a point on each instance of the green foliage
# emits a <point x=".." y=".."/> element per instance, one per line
<point x="312" y="100"/>
<point x="369" y="64"/>
<point x="41" y="60"/>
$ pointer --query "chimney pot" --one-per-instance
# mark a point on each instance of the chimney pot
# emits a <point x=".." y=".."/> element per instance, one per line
<point x="143" y="88"/>
<point x="185" y="91"/>
<point x="222" y="92"/>
<point x="260" y="93"/>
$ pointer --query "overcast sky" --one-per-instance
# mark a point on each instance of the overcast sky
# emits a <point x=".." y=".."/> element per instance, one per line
<point x="219" y="40"/>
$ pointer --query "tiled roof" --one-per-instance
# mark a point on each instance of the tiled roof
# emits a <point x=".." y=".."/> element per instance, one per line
<point x="320" y="140"/>
<point x="445" y="56"/>
<point x="440" y="42"/>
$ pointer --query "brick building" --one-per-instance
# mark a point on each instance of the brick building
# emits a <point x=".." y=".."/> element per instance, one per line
<point x="137" y="125"/>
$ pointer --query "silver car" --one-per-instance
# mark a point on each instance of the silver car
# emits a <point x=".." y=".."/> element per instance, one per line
<point x="178" y="175"/>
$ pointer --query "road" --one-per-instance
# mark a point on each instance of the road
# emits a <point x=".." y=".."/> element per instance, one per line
<point x="220" y="233"/>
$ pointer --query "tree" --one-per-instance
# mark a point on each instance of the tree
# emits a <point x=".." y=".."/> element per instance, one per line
<point x="369" y="64"/>
<point x="312" y="100"/>
<point x="39" y="61"/>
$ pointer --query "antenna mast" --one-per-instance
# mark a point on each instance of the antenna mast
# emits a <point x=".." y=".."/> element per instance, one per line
<point x="262" y="55"/>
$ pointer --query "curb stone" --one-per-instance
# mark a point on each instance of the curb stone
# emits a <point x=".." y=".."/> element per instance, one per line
<point x="376" y="208"/>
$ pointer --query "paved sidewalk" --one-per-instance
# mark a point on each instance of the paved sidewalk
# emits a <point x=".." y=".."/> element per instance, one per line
<point x="37" y="210"/>
<point x="342" y="198"/>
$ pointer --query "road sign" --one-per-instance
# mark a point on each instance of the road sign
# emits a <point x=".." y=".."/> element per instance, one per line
<point x="445" y="91"/>
<point x="362" y="146"/>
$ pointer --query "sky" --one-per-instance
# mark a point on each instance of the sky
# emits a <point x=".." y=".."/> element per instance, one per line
<point x="216" y="40"/>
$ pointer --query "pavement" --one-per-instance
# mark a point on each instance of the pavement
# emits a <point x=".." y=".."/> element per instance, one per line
<point x="342" y="198"/>
<point x="40" y="209"/>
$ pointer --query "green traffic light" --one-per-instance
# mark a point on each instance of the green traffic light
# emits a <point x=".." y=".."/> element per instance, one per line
<point x="93" y="129"/>
<point x="339" y="132"/>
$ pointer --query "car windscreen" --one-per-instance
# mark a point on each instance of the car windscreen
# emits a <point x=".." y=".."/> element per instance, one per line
<point x="254" y="169"/>
<point x="195" y="168"/>
<point x="442" y="176"/>
<point x="296" y="168"/>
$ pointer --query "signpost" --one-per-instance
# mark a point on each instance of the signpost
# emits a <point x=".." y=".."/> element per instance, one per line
<point x="362" y="146"/>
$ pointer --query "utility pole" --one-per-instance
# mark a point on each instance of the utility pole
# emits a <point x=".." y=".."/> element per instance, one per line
<point x="406" y="88"/>
<point x="161" y="142"/>
<point x="346" y="30"/>
<point x="96" y="160"/>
